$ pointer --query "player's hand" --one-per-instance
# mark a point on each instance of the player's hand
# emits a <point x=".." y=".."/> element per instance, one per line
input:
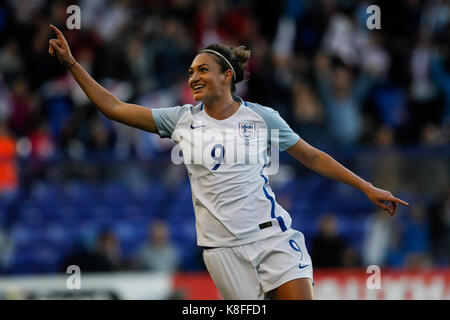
<point x="384" y="199"/>
<point x="61" y="48"/>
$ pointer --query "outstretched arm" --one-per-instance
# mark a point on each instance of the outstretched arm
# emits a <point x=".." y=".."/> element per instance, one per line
<point x="114" y="109"/>
<point x="325" y="165"/>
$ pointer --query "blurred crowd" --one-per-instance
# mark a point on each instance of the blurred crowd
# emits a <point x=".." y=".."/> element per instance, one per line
<point x="316" y="62"/>
<point x="105" y="254"/>
<point x="338" y="84"/>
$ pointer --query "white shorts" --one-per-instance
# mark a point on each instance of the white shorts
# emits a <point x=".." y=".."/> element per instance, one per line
<point x="249" y="271"/>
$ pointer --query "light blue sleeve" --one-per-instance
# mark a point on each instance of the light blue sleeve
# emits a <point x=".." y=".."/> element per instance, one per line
<point x="166" y="119"/>
<point x="274" y="121"/>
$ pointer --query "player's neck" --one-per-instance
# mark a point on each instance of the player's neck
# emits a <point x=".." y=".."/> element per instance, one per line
<point x="221" y="108"/>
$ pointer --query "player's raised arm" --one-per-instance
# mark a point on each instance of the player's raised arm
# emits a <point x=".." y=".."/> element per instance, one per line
<point x="114" y="109"/>
<point x="325" y="165"/>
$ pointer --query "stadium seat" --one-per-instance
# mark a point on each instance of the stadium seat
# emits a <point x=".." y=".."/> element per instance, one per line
<point x="132" y="234"/>
<point x="46" y="192"/>
<point x="36" y="259"/>
<point x="32" y="213"/>
<point x="81" y="192"/>
<point x="153" y="192"/>
<point x="114" y="192"/>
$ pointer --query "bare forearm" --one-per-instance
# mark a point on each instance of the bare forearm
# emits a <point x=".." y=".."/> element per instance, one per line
<point x="100" y="97"/>
<point x="325" y="165"/>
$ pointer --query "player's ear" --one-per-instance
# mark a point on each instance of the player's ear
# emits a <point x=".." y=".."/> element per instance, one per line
<point x="228" y="76"/>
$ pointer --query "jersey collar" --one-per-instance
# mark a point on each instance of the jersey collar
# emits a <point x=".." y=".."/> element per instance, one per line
<point x="235" y="98"/>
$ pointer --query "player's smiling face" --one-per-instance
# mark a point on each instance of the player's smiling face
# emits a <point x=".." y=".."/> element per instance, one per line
<point x="206" y="80"/>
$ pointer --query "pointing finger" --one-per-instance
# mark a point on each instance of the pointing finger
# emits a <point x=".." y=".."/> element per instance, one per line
<point x="397" y="200"/>
<point x="58" y="33"/>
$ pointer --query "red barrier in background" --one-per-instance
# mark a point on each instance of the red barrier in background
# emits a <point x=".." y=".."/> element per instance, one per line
<point x="337" y="284"/>
<point x="420" y="284"/>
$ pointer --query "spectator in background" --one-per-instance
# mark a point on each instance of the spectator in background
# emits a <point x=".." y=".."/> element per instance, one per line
<point x="101" y="139"/>
<point x="389" y="165"/>
<point x="21" y="107"/>
<point x="9" y="179"/>
<point x="351" y="258"/>
<point x="416" y="238"/>
<point x="11" y="62"/>
<point x="374" y="57"/>
<point x="410" y="242"/>
<point x="439" y="221"/>
<point x="342" y="97"/>
<point x="308" y="112"/>
<point x="422" y="89"/>
<point x="440" y="71"/>
<point x="6" y="249"/>
<point x="158" y="254"/>
<point x="38" y="148"/>
<point x="377" y="239"/>
<point x="42" y="144"/>
<point x="328" y="247"/>
<point x="395" y="254"/>
<point x="105" y="256"/>
<point x="339" y="38"/>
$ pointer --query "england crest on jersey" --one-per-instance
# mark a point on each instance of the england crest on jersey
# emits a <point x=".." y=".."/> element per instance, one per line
<point x="247" y="130"/>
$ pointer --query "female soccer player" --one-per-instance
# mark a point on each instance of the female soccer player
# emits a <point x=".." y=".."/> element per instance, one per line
<point x="250" y="250"/>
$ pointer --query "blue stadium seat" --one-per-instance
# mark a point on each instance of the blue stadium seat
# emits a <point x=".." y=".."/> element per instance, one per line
<point x="46" y="192"/>
<point x="149" y="192"/>
<point x="22" y="262"/>
<point x="301" y="205"/>
<point x="182" y="225"/>
<point x="103" y="212"/>
<point x="180" y="209"/>
<point x="190" y="256"/>
<point x="72" y="213"/>
<point x="114" y="192"/>
<point x="37" y="259"/>
<point x="346" y="199"/>
<point x="3" y="216"/>
<point x="24" y="235"/>
<point x="182" y="192"/>
<point x="60" y="236"/>
<point x="132" y="234"/>
<point x="137" y="210"/>
<point x="32" y="213"/>
<point x="81" y="192"/>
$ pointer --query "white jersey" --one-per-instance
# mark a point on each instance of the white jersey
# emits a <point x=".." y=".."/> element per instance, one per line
<point x="226" y="162"/>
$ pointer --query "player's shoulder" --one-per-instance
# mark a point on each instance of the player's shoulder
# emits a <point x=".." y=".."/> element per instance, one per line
<point x="187" y="113"/>
<point x="190" y="108"/>
<point x="268" y="114"/>
<point x="185" y="109"/>
<point x="260" y="109"/>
